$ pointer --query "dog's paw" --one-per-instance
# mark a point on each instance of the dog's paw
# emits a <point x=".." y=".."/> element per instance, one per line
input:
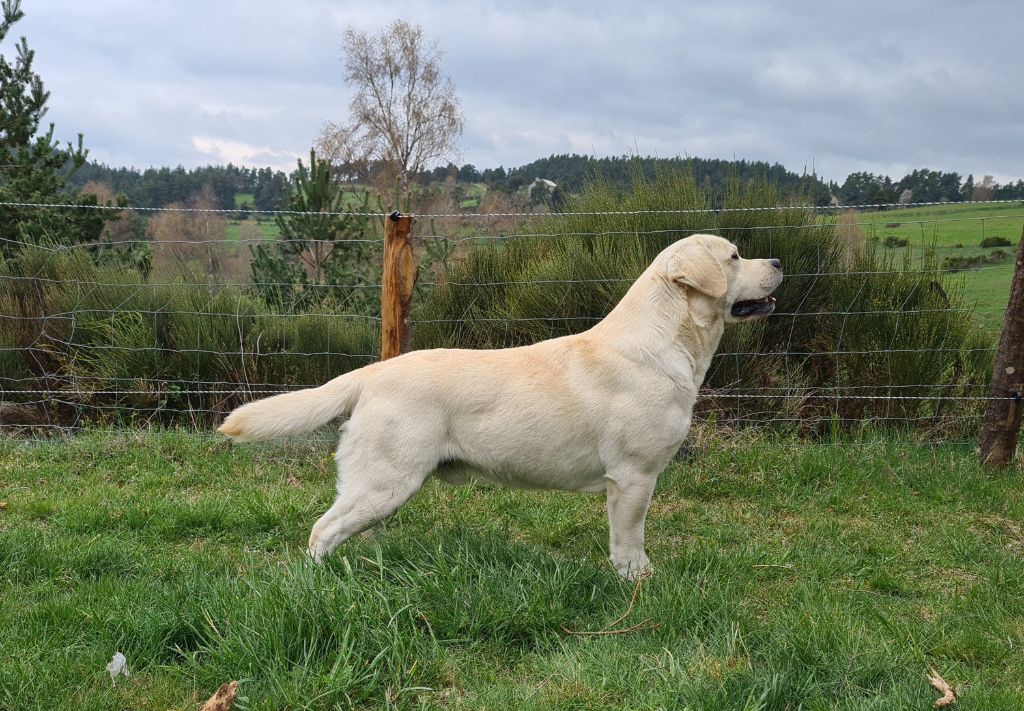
<point x="633" y="568"/>
<point x="316" y="553"/>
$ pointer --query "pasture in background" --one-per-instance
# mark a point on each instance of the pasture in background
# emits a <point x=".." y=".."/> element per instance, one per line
<point x="977" y="240"/>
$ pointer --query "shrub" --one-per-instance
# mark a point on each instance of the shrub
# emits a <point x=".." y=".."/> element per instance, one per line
<point x="191" y="350"/>
<point x="961" y="264"/>
<point x="996" y="242"/>
<point x="893" y="242"/>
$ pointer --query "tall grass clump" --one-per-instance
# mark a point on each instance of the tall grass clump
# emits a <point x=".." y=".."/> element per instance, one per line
<point x="111" y="347"/>
<point x="850" y="321"/>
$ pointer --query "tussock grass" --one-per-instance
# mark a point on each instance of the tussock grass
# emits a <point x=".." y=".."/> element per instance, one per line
<point x="787" y="576"/>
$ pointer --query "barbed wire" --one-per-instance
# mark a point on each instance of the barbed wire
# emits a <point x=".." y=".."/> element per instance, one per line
<point x="211" y="284"/>
<point x="714" y="417"/>
<point x="451" y="283"/>
<point x="716" y="210"/>
<point x="225" y="242"/>
<point x="338" y="354"/>
<point x="185" y="350"/>
<point x="69" y="315"/>
<point x="212" y="314"/>
<point x="709" y="210"/>
<point x="752" y="394"/>
<point x="218" y="385"/>
<point x="327" y="437"/>
<point x="624" y="280"/>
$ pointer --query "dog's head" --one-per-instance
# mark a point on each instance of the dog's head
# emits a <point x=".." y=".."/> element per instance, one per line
<point x="713" y="267"/>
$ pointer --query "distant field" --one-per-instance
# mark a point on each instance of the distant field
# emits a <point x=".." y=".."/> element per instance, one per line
<point x="948" y="224"/>
<point x="267" y="227"/>
<point x="957" y="231"/>
<point x="473" y="195"/>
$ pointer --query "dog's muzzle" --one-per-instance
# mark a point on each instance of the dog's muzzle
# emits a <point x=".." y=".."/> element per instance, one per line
<point x="753" y="307"/>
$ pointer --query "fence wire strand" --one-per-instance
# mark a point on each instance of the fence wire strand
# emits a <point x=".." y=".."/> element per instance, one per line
<point x="485" y="215"/>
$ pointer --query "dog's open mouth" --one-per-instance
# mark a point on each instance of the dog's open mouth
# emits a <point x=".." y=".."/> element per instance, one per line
<point x="753" y="307"/>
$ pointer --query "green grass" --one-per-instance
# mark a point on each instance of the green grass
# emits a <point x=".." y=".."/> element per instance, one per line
<point x="957" y="231"/>
<point x="244" y="199"/>
<point x="268" y="227"/>
<point x="474" y="193"/>
<point x="787" y="576"/>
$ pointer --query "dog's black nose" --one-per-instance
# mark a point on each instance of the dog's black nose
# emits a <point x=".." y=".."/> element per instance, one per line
<point x="776" y="263"/>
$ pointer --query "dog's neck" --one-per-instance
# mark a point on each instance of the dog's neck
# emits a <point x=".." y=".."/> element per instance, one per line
<point x="658" y="318"/>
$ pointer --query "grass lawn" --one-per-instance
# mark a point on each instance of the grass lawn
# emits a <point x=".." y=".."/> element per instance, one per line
<point x="786" y="576"/>
<point x="956" y="231"/>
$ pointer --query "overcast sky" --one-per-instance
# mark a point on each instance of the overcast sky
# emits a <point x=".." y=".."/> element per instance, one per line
<point x="880" y="86"/>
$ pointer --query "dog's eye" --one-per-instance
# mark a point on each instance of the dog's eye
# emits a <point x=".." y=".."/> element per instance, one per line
<point x="735" y="256"/>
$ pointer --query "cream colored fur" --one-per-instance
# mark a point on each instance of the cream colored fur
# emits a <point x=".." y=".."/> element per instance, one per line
<point x="604" y="410"/>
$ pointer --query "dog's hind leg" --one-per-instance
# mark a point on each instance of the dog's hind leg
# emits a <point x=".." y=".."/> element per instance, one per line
<point x="374" y="480"/>
<point x="360" y="504"/>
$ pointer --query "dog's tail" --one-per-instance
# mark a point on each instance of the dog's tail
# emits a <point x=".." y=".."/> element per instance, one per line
<point x="294" y="413"/>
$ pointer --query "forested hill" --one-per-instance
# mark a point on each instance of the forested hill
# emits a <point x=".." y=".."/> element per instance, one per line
<point x="158" y="187"/>
<point x="572" y="171"/>
<point x="228" y="186"/>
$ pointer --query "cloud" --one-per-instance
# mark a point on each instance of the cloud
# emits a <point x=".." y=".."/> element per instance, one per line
<point x="226" y="150"/>
<point x="878" y="86"/>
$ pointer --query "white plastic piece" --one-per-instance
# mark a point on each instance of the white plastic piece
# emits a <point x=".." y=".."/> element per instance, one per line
<point x="117" y="666"/>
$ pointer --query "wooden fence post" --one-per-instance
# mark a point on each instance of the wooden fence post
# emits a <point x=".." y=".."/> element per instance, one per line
<point x="397" y="281"/>
<point x="1004" y="410"/>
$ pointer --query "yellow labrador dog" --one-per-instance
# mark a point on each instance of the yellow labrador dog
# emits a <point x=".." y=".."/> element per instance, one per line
<point x="601" y="410"/>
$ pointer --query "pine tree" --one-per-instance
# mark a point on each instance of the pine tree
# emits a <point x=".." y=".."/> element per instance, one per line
<point x="321" y="247"/>
<point x="34" y="168"/>
<point x="967" y="191"/>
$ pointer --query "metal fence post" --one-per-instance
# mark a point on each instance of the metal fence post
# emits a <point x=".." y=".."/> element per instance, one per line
<point x="397" y="281"/>
<point x="1004" y="410"/>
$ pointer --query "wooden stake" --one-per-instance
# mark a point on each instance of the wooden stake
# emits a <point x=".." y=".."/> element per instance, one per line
<point x="397" y="282"/>
<point x="1003" y="413"/>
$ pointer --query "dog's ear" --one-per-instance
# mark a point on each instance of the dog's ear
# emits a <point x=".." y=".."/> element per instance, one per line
<point x="694" y="265"/>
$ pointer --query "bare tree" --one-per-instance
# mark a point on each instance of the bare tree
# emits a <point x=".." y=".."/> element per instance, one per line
<point x="405" y="112"/>
<point x="986" y="190"/>
<point x="190" y="241"/>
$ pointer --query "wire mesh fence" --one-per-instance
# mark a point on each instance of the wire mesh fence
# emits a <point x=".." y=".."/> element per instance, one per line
<point x="886" y="320"/>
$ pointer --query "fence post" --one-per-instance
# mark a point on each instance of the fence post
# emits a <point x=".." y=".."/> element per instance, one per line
<point x="397" y="281"/>
<point x="1004" y="410"/>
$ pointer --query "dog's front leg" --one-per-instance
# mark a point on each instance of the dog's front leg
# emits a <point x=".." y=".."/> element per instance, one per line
<point x="628" y="499"/>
